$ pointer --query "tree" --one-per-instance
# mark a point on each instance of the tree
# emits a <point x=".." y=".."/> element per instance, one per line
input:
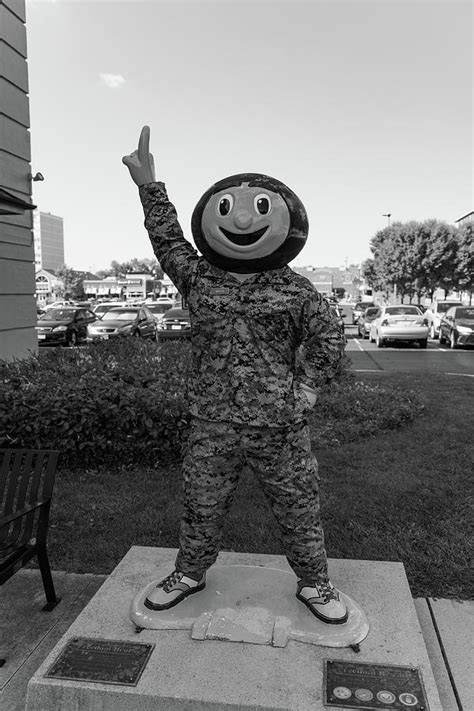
<point x="464" y="275"/>
<point x="142" y="266"/>
<point x="72" y="282"/>
<point x="418" y="257"/>
<point x="380" y="269"/>
<point x="441" y="256"/>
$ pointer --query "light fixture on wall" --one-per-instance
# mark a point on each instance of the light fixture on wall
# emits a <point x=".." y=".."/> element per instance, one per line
<point x="36" y="177"/>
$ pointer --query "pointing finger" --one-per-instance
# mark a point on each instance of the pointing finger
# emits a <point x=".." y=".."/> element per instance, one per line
<point x="144" y="143"/>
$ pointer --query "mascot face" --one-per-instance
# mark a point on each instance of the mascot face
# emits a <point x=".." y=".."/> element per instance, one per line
<point x="245" y="223"/>
<point x="249" y="223"/>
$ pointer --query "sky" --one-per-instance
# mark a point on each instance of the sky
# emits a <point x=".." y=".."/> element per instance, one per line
<point x="362" y="107"/>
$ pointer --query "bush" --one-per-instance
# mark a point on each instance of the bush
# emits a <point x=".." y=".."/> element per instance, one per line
<point x="122" y="400"/>
<point x="126" y="401"/>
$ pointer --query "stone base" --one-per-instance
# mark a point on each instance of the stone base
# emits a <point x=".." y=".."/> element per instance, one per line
<point x="254" y="604"/>
<point x="183" y="673"/>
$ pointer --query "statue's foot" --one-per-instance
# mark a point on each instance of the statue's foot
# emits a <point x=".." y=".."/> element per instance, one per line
<point x="324" y="601"/>
<point x="174" y="588"/>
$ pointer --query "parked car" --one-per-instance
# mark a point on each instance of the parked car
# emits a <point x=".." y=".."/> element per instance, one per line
<point x="57" y="304"/>
<point x="176" y="323"/>
<point x="63" y="326"/>
<point x="123" y="321"/>
<point x="435" y="313"/>
<point x="101" y="309"/>
<point x="159" y="308"/>
<point x="359" y="309"/>
<point x="457" y="326"/>
<point x="399" y="323"/>
<point x="364" y="322"/>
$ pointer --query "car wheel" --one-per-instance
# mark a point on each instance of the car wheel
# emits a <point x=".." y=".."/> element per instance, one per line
<point x="379" y="342"/>
<point x="72" y="340"/>
<point x="423" y="342"/>
<point x="452" y="340"/>
<point x="432" y="331"/>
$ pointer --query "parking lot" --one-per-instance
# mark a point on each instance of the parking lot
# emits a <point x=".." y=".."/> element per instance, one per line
<point x="404" y="357"/>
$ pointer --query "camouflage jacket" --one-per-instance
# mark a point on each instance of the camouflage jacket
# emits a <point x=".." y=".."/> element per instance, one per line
<point x="254" y="343"/>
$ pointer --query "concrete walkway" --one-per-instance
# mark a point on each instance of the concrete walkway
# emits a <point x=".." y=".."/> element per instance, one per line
<point x="27" y="635"/>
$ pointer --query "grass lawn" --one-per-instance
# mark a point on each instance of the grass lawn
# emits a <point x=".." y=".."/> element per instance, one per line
<point x="401" y="495"/>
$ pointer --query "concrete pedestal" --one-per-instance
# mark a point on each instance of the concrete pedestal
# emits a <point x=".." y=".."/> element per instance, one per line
<point x="184" y="673"/>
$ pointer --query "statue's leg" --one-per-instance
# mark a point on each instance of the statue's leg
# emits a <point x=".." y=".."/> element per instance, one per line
<point x="210" y="476"/>
<point x="211" y="470"/>
<point x="288" y="473"/>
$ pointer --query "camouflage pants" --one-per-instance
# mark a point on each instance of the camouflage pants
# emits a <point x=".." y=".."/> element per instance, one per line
<point x="287" y="471"/>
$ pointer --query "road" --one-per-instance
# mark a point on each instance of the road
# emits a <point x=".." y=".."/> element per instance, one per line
<point x="366" y="356"/>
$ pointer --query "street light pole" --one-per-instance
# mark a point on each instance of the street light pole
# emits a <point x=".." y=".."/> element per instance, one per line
<point x="388" y="215"/>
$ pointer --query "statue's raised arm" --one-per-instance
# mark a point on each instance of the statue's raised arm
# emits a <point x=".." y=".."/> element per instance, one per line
<point x="176" y="255"/>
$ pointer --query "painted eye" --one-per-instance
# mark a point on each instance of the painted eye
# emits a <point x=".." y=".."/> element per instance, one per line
<point x="262" y="204"/>
<point x="225" y="205"/>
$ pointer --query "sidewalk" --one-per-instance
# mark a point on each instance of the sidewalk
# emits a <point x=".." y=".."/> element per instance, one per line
<point x="27" y="635"/>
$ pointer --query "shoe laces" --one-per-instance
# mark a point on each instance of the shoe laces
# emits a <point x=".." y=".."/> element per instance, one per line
<point x="170" y="580"/>
<point x="327" y="591"/>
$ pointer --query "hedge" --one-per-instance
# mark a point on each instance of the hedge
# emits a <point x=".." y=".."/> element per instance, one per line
<point x="126" y="401"/>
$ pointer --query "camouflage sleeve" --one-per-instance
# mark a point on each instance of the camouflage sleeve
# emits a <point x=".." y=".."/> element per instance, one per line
<point x="322" y="343"/>
<point x="177" y="256"/>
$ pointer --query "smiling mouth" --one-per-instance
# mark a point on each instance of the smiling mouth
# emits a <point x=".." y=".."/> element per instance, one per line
<point x="243" y="239"/>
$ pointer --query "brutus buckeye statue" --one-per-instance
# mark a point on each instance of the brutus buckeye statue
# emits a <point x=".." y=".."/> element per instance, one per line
<point x="263" y="343"/>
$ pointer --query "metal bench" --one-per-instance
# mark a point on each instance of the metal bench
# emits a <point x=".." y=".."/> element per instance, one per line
<point x="26" y="486"/>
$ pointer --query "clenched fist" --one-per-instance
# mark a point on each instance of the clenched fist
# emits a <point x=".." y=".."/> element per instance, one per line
<point x="141" y="163"/>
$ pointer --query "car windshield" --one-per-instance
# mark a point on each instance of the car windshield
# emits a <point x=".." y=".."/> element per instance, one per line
<point x="57" y="315"/>
<point x="363" y="305"/>
<point x="158" y="308"/>
<point x="177" y="313"/>
<point x="402" y="311"/>
<point x="102" y="309"/>
<point x="116" y="315"/>
<point x="465" y="312"/>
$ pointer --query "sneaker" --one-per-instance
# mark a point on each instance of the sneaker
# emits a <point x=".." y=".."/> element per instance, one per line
<point x="324" y="601"/>
<point x="174" y="588"/>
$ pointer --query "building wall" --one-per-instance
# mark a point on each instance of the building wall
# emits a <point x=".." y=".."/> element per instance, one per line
<point x="17" y="273"/>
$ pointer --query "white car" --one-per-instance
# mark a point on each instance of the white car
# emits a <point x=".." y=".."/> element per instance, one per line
<point x="399" y="323"/>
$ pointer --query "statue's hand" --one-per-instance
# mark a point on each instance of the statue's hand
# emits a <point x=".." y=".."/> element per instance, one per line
<point x="141" y="163"/>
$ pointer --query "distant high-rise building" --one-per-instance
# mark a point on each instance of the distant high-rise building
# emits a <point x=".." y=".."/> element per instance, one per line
<point x="49" y="240"/>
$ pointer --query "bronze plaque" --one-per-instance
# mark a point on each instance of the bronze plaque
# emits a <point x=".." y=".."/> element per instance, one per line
<point x="355" y="685"/>
<point x="108" y="661"/>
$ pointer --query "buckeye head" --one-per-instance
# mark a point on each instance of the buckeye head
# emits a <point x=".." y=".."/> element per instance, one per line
<point x="249" y="223"/>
